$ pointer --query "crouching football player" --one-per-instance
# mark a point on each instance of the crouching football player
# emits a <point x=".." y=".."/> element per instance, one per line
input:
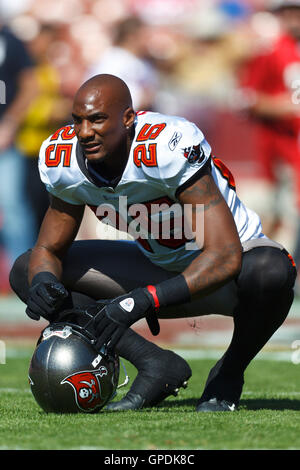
<point x="151" y="161"/>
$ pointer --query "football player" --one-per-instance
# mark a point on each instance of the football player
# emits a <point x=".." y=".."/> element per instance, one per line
<point x="123" y="164"/>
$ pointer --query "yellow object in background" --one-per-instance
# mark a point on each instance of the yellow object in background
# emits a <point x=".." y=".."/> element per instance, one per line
<point x="46" y="113"/>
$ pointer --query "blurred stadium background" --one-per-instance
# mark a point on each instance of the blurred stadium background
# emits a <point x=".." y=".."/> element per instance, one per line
<point x="189" y="56"/>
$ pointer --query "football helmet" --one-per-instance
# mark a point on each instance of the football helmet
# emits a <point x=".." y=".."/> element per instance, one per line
<point x="67" y="374"/>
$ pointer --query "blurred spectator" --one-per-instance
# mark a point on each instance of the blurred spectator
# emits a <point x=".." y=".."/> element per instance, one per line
<point x="270" y="79"/>
<point x="126" y="59"/>
<point x="208" y="68"/>
<point x="18" y="88"/>
<point x="47" y="112"/>
<point x="206" y="72"/>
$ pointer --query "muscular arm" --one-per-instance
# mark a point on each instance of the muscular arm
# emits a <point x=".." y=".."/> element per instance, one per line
<point x="218" y="263"/>
<point x="220" y="259"/>
<point x="58" y="231"/>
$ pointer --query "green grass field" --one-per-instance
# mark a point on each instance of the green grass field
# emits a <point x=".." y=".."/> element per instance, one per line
<point x="269" y="415"/>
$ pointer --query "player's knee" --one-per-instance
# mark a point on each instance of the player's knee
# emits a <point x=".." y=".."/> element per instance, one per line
<point x="269" y="272"/>
<point x="278" y="277"/>
<point x="18" y="275"/>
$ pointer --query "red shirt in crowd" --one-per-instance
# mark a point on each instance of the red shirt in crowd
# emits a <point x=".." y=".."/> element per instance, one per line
<point x="272" y="73"/>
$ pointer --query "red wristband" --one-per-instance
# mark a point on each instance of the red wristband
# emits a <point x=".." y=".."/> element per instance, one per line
<point x="152" y="290"/>
<point x="173" y="291"/>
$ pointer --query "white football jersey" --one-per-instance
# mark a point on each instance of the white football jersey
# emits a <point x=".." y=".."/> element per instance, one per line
<point x="167" y="154"/>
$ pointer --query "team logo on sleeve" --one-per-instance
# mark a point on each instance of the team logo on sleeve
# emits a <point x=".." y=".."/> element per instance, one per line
<point x="87" y="388"/>
<point x="194" y="154"/>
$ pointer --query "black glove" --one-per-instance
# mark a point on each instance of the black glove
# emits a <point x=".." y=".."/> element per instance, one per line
<point x="120" y="313"/>
<point x="46" y="296"/>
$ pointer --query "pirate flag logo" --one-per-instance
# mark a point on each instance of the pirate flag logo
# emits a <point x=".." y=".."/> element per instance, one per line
<point x="87" y="388"/>
<point x="194" y="154"/>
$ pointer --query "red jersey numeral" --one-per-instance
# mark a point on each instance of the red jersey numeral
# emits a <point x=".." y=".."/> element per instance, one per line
<point x="66" y="133"/>
<point x="56" y="153"/>
<point x="149" y="132"/>
<point x="167" y="239"/>
<point x="143" y="155"/>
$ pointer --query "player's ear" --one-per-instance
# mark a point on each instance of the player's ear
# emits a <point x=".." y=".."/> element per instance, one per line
<point x="128" y="117"/>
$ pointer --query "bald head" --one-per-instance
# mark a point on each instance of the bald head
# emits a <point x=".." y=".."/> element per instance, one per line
<point x="107" y="87"/>
<point x="103" y="117"/>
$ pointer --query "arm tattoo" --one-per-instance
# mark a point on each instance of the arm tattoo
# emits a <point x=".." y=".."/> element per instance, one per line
<point x="205" y="190"/>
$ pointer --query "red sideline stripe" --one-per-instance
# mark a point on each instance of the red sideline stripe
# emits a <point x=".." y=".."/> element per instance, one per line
<point x="152" y="291"/>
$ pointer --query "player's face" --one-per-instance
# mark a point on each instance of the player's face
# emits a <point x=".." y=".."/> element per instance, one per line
<point x="100" y="125"/>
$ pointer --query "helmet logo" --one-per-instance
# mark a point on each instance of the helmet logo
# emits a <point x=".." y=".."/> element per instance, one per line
<point x="87" y="388"/>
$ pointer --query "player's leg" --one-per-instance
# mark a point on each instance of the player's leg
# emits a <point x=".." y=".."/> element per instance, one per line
<point x="265" y="271"/>
<point x="265" y="294"/>
<point x="106" y="269"/>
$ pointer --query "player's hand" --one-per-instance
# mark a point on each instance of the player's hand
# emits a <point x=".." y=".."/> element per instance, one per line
<point x="45" y="299"/>
<point x="113" y="320"/>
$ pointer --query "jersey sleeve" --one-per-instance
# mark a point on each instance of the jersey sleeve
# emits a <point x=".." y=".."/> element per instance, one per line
<point x="182" y="157"/>
<point x="58" y="170"/>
